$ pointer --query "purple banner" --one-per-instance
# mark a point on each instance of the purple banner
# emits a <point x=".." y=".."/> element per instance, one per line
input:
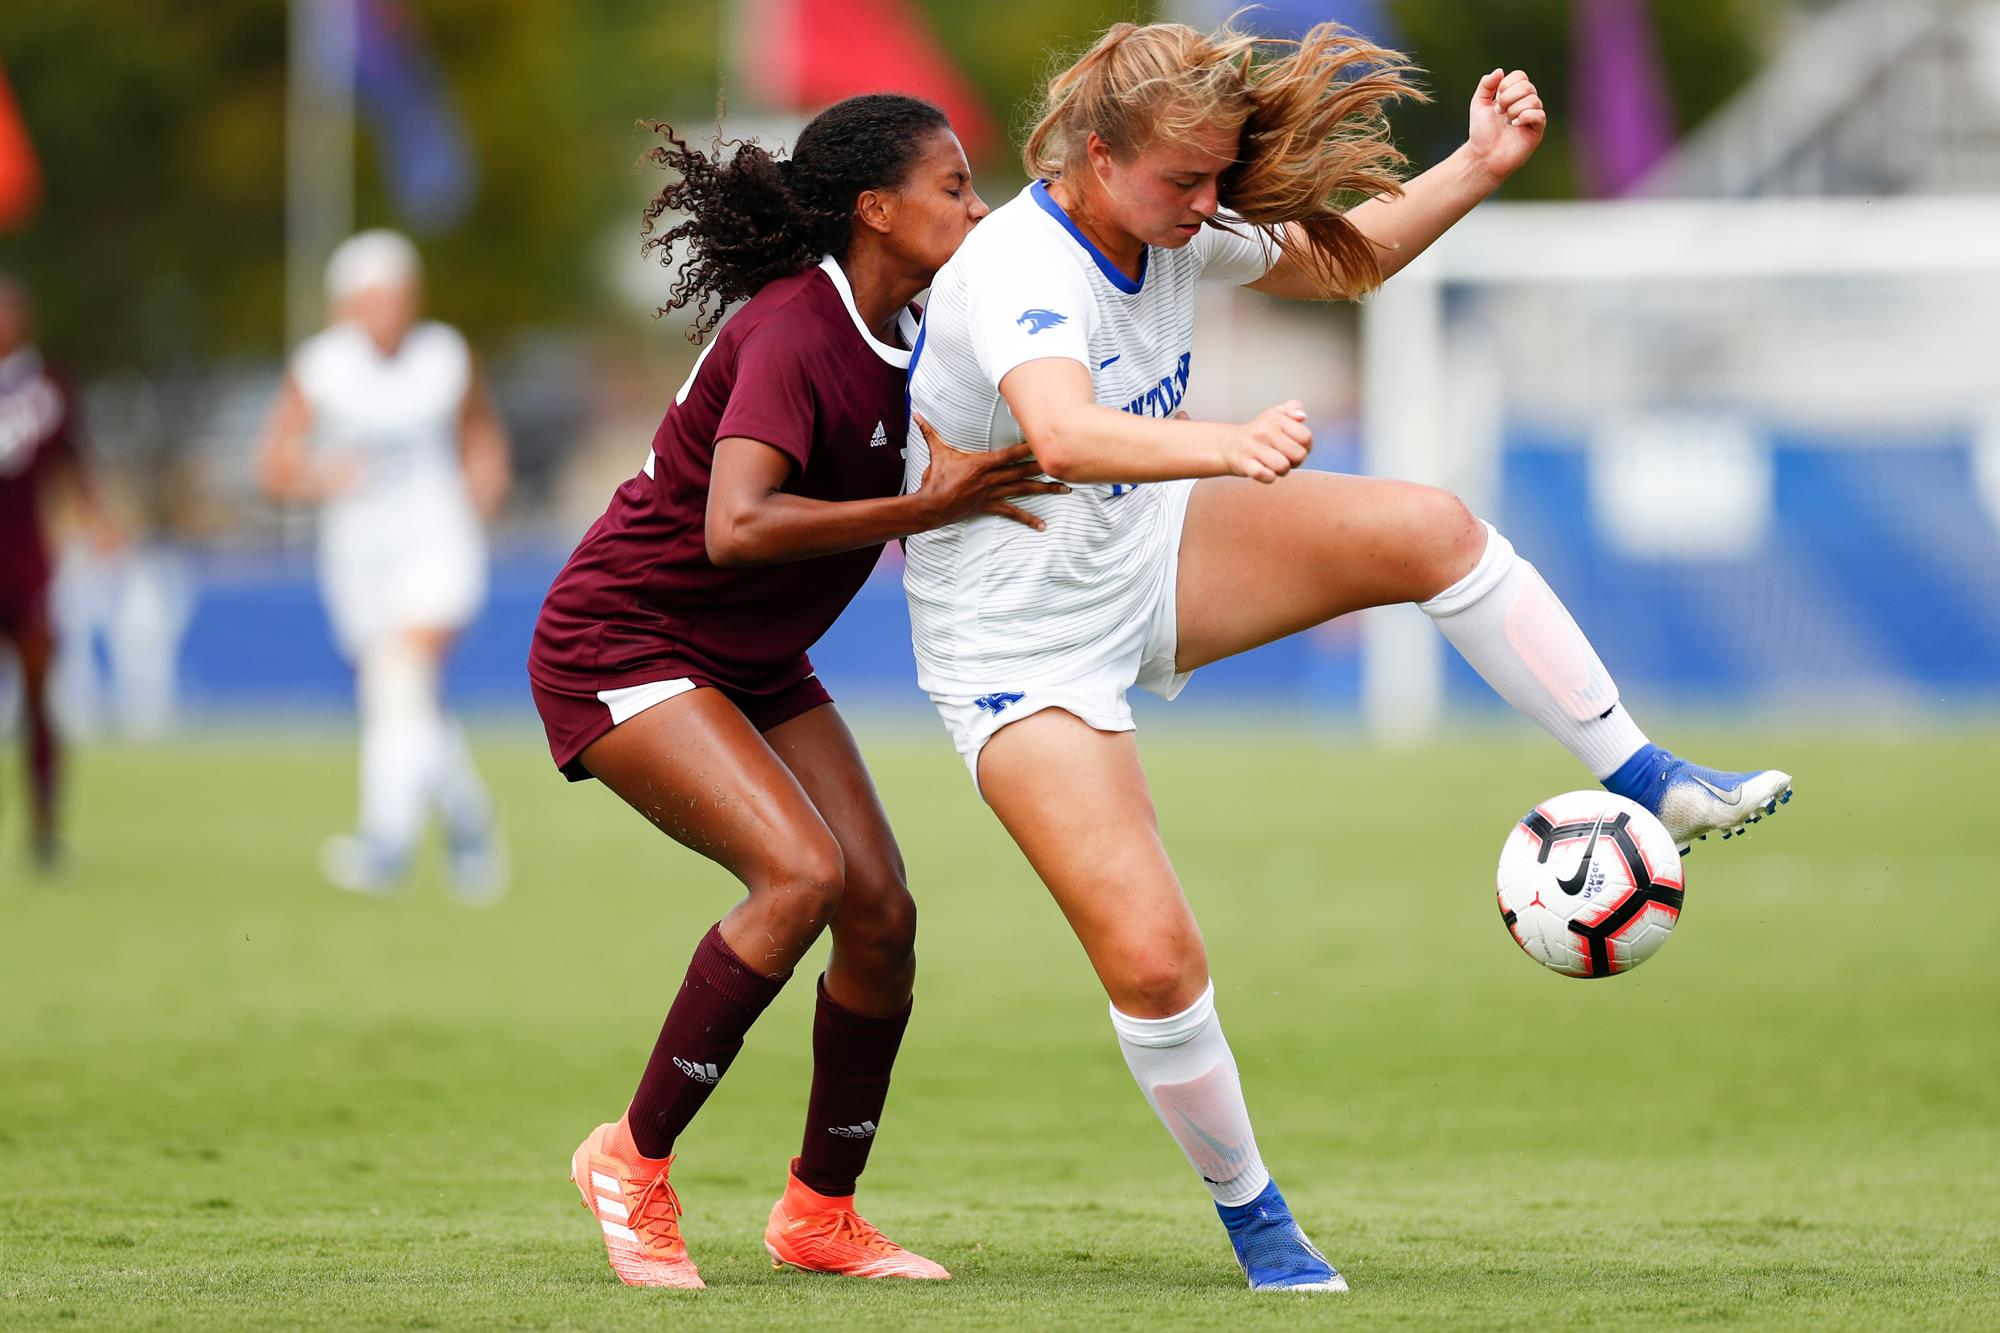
<point x="1623" y="116"/>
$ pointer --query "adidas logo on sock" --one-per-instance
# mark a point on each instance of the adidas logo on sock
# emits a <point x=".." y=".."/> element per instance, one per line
<point x="699" y="1073"/>
<point x="864" y="1130"/>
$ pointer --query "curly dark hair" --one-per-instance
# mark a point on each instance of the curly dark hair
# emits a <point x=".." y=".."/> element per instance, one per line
<point x="752" y="218"/>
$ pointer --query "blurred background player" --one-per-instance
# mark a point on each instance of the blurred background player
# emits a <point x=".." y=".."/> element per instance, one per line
<point x="384" y="424"/>
<point x="39" y="436"/>
<point x="670" y="659"/>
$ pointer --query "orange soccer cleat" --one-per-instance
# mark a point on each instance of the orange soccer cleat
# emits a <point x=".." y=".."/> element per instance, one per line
<point x="821" y="1234"/>
<point x="636" y="1207"/>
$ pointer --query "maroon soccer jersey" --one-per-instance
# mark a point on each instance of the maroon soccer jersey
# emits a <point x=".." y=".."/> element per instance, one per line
<point x="640" y="601"/>
<point x="35" y="427"/>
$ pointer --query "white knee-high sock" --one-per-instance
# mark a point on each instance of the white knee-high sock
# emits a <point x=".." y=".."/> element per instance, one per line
<point x="1504" y="620"/>
<point x="461" y="795"/>
<point x="402" y="738"/>
<point x="1184" y="1067"/>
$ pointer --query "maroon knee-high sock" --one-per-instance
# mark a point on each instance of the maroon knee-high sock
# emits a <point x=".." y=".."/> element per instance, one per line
<point x="852" y="1057"/>
<point x="718" y="1002"/>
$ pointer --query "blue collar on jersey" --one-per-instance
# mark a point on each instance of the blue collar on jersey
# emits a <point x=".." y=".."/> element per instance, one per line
<point x="1040" y="190"/>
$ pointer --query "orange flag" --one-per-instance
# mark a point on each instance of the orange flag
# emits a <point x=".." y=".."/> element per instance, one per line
<point x="20" y="174"/>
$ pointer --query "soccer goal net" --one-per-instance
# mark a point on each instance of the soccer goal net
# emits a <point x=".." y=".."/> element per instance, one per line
<point x="1755" y="445"/>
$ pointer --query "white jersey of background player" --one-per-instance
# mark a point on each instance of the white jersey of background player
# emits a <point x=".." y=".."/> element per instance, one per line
<point x="1069" y="311"/>
<point x="383" y="423"/>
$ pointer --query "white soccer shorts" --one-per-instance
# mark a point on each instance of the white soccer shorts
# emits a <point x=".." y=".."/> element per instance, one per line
<point x="426" y="578"/>
<point x="1139" y="652"/>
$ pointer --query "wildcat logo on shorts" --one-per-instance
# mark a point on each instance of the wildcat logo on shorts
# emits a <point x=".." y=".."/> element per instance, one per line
<point x="999" y="702"/>
<point x="1034" y="321"/>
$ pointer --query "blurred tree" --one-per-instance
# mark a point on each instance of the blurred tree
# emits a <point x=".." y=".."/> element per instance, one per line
<point x="1009" y="50"/>
<point x="160" y="131"/>
<point x="1709" y="48"/>
<point x="160" y="135"/>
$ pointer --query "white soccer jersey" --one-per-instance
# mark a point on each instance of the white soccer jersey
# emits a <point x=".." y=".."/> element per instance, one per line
<point x="404" y="547"/>
<point x="399" y="415"/>
<point x="994" y="604"/>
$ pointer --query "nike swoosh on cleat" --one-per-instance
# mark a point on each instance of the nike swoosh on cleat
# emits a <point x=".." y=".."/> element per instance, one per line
<point x="1574" y="884"/>
<point x="1734" y="796"/>
<point x="1335" y="1283"/>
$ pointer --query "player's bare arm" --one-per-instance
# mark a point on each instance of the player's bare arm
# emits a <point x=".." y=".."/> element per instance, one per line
<point x="287" y="472"/>
<point x="483" y="447"/>
<point x="1507" y="124"/>
<point x="1076" y="439"/>
<point x="753" y="521"/>
<point x="100" y="526"/>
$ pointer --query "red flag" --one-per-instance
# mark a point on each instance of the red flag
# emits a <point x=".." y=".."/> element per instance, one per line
<point x="803" y="54"/>
<point x="20" y="173"/>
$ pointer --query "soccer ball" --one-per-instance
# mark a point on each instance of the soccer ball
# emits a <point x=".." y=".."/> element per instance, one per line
<point x="1590" y="884"/>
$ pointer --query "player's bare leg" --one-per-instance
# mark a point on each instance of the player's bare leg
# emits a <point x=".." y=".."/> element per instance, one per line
<point x="874" y="959"/>
<point x="1076" y="801"/>
<point x="697" y="769"/>
<point x="1317" y="545"/>
<point x="699" y="772"/>
<point x="858" y="1023"/>
<point x="34" y="648"/>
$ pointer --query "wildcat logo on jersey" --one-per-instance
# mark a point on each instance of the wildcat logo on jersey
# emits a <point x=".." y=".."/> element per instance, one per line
<point x="1034" y="321"/>
<point x="1164" y="398"/>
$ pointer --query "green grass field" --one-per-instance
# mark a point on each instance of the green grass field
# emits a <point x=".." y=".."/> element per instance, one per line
<point x="229" y="1097"/>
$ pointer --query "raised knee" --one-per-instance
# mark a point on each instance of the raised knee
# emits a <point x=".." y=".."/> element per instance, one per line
<point x="1159" y="983"/>
<point x="1458" y="538"/>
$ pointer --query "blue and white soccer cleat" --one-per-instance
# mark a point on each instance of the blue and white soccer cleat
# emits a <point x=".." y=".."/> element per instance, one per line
<point x="478" y="865"/>
<point x="1274" y="1253"/>
<point x="356" y="864"/>
<point x="1693" y="801"/>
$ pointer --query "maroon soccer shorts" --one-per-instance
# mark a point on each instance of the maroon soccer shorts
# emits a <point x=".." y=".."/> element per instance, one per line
<point x="574" y="718"/>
